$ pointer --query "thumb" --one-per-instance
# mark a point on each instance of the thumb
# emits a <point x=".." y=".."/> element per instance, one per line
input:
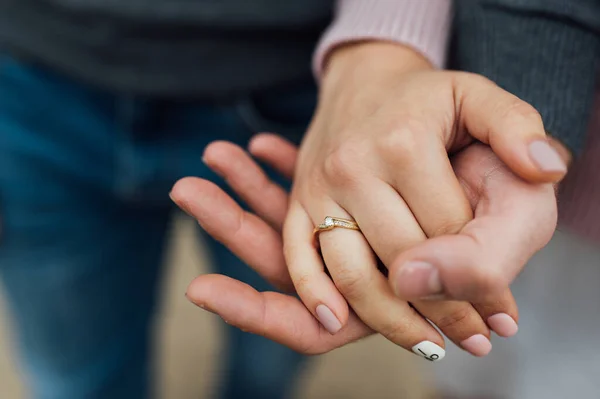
<point x="513" y="220"/>
<point x="512" y="128"/>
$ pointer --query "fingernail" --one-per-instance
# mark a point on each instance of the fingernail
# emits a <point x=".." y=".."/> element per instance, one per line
<point x="503" y="325"/>
<point x="418" y="280"/>
<point x="328" y="319"/>
<point x="429" y="350"/>
<point x="546" y="157"/>
<point x="477" y="345"/>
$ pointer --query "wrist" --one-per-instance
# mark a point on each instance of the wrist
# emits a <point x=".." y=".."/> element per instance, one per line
<point x="373" y="60"/>
<point x="359" y="74"/>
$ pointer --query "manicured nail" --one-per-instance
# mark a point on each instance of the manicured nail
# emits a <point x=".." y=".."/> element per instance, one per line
<point x="503" y="325"/>
<point x="328" y="319"/>
<point x="477" y="345"/>
<point x="429" y="350"/>
<point x="546" y="157"/>
<point x="418" y="280"/>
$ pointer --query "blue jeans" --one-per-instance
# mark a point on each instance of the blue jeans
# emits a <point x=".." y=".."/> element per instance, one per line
<point x="84" y="182"/>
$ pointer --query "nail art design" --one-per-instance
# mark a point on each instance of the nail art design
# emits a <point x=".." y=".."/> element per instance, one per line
<point x="429" y="351"/>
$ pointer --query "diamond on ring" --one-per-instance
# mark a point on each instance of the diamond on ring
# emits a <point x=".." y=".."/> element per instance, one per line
<point x="330" y="223"/>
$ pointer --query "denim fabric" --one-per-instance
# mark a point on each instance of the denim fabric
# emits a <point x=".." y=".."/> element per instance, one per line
<point x="84" y="207"/>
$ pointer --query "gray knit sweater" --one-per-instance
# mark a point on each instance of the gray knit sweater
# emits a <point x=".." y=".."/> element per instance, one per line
<point x="545" y="51"/>
<point x="209" y="48"/>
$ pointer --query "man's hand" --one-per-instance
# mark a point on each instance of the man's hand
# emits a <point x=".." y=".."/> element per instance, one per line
<point x="497" y="196"/>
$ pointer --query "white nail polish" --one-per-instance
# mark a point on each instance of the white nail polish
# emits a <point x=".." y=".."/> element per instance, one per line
<point x="429" y="351"/>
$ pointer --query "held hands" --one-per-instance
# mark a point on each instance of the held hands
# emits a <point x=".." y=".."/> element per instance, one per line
<point x="377" y="153"/>
<point x="496" y="195"/>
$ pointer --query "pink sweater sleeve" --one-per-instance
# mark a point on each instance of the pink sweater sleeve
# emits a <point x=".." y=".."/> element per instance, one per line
<point x="422" y="24"/>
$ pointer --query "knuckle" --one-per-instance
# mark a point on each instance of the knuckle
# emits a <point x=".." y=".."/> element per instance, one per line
<point x="302" y="283"/>
<point x="342" y="165"/>
<point x="464" y="81"/>
<point x="521" y="109"/>
<point x="352" y="283"/>
<point x="474" y="78"/>
<point x="455" y="318"/>
<point x="397" y="331"/>
<point x="484" y="276"/>
<point x="238" y="226"/>
<point x="496" y="304"/>
<point x="401" y="144"/>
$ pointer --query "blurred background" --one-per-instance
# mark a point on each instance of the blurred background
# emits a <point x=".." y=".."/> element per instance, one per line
<point x="188" y="347"/>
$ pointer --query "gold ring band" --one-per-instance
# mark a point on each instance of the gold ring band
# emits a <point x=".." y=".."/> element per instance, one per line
<point x="330" y="223"/>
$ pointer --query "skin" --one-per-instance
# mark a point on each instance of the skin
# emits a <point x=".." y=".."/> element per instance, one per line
<point x="496" y="195"/>
<point x="377" y="152"/>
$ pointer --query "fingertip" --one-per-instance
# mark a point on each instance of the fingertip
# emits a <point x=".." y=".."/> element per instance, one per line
<point x="212" y="149"/>
<point x="328" y="319"/>
<point x="503" y="325"/>
<point x="562" y="150"/>
<point x="531" y="165"/>
<point x="331" y="310"/>
<point x="193" y="195"/>
<point x="534" y="157"/>
<point x="196" y="291"/>
<point x="182" y="188"/>
<point x="229" y="298"/>
<point x="430" y="351"/>
<point x="184" y="191"/>
<point x="220" y="152"/>
<point x="547" y="159"/>
<point x="478" y="345"/>
<point x="261" y="143"/>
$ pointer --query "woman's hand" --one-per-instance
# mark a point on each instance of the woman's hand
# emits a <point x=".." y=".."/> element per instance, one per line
<point x="377" y="153"/>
